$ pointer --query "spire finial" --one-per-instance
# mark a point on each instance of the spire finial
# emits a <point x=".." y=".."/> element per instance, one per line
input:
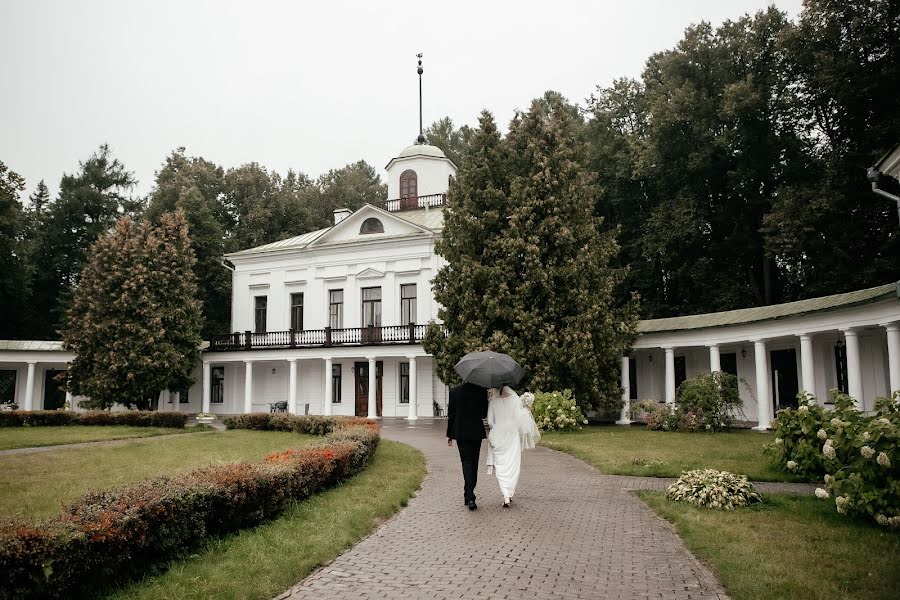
<point x="421" y="138"/>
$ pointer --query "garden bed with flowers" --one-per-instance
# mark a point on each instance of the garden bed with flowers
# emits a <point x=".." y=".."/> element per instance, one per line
<point x="111" y="536"/>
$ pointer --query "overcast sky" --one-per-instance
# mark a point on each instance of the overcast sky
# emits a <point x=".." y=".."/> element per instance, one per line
<point x="303" y="85"/>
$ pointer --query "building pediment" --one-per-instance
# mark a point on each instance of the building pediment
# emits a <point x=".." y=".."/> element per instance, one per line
<point x="369" y="274"/>
<point x="369" y="223"/>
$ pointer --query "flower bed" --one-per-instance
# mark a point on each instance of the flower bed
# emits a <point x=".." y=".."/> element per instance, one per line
<point x="108" y="536"/>
<point x="856" y="454"/>
<point x="135" y="418"/>
<point x="557" y="411"/>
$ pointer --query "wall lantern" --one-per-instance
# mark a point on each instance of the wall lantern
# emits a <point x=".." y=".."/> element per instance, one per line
<point x="839" y="343"/>
<point x="650" y="358"/>
<point x="743" y="353"/>
<point x="273" y="371"/>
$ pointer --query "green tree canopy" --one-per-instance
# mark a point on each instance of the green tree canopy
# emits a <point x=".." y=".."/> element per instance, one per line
<point x="14" y="288"/>
<point x="529" y="271"/>
<point x="88" y="205"/>
<point x="134" y="323"/>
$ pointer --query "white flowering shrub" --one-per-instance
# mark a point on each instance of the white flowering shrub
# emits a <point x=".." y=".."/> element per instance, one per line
<point x="713" y="489"/>
<point x="557" y="411"/>
<point x="856" y="454"/>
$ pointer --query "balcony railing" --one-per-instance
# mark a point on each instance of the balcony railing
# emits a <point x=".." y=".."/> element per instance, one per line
<point x="319" y="338"/>
<point x="413" y="203"/>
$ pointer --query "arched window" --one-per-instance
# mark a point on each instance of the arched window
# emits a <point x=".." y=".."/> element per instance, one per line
<point x="409" y="189"/>
<point x="371" y="225"/>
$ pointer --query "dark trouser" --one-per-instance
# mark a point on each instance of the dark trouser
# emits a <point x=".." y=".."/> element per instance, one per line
<point x="468" y="456"/>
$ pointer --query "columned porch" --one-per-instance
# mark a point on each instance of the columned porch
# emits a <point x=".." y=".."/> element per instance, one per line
<point x="855" y="350"/>
<point x="368" y="382"/>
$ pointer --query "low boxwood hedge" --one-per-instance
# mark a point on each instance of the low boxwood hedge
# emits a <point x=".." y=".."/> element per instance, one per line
<point x="135" y="418"/>
<point x="309" y="424"/>
<point x="107" y="537"/>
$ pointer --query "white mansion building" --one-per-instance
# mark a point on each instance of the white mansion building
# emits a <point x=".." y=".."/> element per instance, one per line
<point x="331" y="322"/>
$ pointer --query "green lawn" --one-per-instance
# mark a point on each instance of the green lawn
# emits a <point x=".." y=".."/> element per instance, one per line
<point x="38" y="484"/>
<point x="788" y="547"/>
<point x="266" y="560"/>
<point x="635" y="450"/>
<point x="32" y="437"/>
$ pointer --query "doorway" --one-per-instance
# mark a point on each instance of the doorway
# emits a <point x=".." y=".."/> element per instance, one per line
<point x="54" y="394"/>
<point x="361" y="377"/>
<point x="785" y="383"/>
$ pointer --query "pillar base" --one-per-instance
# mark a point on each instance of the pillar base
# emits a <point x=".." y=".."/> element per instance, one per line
<point x="761" y="428"/>
<point x="412" y="418"/>
<point x="624" y="422"/>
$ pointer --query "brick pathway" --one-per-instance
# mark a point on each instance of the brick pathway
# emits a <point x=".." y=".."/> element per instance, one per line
<point x="571" y="533"/>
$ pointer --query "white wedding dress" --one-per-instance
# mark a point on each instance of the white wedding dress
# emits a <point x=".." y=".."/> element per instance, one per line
<point x="512" y="430"/>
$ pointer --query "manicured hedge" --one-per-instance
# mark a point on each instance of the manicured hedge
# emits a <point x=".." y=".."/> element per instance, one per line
<point x="107" y="537"/>
<point x="136" y="418"/>
<point x="309" y="424"/>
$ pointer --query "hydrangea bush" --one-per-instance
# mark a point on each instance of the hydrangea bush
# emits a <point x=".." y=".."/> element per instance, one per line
<point x="855" y="453"/>
<point x="703" y="403"/>
<point x="557" y="411"/>
<point x="713" y="489"/>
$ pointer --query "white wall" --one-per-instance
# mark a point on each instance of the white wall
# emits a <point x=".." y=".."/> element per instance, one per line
<point x="432" y="175"/>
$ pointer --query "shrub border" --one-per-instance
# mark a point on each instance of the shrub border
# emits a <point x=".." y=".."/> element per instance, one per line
<point x="110" y="536"/>
<point x="134" y="418"/>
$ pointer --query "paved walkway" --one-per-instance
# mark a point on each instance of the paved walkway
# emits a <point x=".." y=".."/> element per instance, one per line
<point x="571" y="533"/>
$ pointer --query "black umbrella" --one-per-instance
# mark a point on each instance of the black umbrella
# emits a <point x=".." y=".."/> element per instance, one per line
<point x="489" y="369"/>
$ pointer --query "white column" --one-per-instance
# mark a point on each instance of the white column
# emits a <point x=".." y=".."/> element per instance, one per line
<point x="715" y="360"/>
<point x="624" y="417"/>
<point x="292" y="386"/>
<point x="670" y="375"/>
<point x="854" y="373"/>
<point x="70" y="400"/>
<point x="763" y="401"/>
<point x="248" y="387"/>
<point x="373" y="409"/>
<point x="29" y="386"/>
<point x="206" y="387"/>
<point x="413" y="396"/>
<point x="326" y="402"/>
<point x="893" y="343"/>
<point x="177" y="402"/>
<point x="807" y="368"/>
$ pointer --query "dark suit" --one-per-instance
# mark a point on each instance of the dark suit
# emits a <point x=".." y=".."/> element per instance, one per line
<point x="465" y="413"/>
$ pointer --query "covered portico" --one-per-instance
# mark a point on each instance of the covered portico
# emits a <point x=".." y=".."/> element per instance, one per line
<point x="395" y="381"/>
<point x="30" y="368"/>
<point x="846" y="341"/>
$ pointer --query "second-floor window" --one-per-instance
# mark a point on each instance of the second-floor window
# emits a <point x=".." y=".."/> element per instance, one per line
<point x="297" y="311"/>
<point x="371" y="307"/>
<point x="336" y="309"/>
<point x="260" y="307"/>
<point x="407" y="303"/>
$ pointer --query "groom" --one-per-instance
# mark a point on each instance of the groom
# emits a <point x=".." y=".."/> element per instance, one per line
<point x="468" y="406"/>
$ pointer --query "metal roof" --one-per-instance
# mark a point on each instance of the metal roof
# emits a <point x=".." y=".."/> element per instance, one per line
<point x="32" y="345"/>
<point x="774" y="311"/>
<point x="298" y="241"/>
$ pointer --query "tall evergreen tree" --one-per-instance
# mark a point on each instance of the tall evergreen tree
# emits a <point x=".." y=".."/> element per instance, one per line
<point x="529" y="271"/>
<point x="13" y="267"/>
<point x="134" y="324"/>
<point x="88" y="205"/>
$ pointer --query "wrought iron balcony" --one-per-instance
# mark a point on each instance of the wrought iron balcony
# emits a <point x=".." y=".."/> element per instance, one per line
<point x="319" y="338"/>
<point x="413" y="203"/>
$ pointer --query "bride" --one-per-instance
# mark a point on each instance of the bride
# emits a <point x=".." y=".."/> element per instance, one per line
<point x="512" y="430"/>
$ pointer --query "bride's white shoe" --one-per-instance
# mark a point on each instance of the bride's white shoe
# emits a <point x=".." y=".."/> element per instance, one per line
<point x="506" y="501"/>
